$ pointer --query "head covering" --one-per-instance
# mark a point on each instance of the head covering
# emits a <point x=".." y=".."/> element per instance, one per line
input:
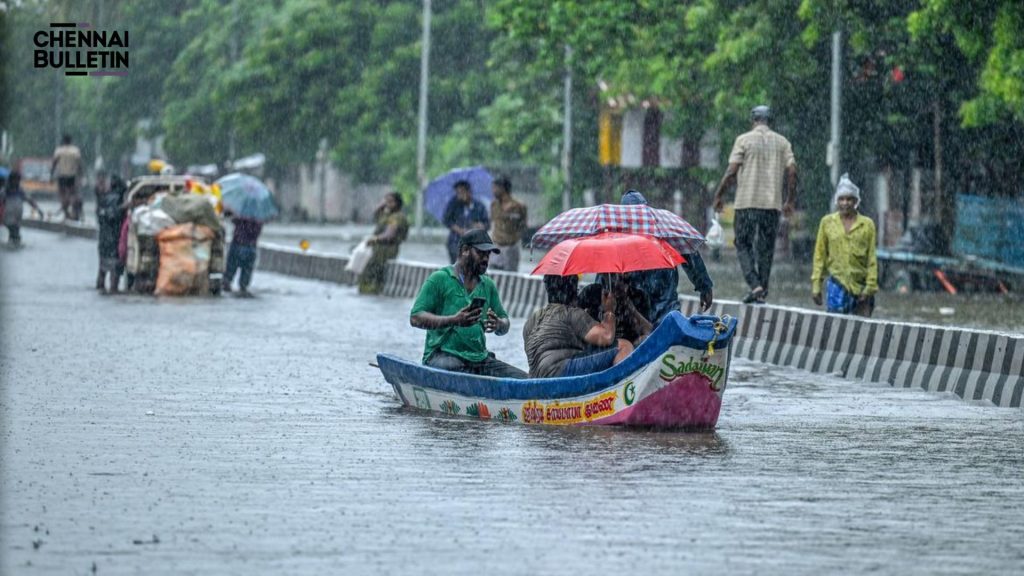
<point x="760" y="113"/>
<point x="480" y="240"/>
<point x="632" y="197"/>
<point x="846" y="188"/>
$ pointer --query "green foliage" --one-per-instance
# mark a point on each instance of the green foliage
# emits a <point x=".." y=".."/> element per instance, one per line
<point x="281" y="75"/>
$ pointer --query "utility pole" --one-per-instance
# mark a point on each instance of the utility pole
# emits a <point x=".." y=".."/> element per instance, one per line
<point x="321" y="162"/>
<point x="567" y="134"/>
<point x="233" y="47"/>
<point x="98" y="95"/>
<point x="834" y="149"/>
<point x="421" y="140"/>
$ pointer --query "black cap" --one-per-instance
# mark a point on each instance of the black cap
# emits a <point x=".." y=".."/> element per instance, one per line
<point x="480" y="240"/>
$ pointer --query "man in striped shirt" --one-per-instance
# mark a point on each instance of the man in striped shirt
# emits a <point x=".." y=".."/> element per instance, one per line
<point x="761" y="165"/>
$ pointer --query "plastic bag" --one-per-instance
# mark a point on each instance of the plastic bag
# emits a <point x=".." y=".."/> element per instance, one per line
<point x="150" y="221"/>
<point x="715" y="236"/>
<point x="360" y="257"/>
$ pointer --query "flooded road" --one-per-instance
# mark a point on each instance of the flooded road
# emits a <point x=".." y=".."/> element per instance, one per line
<point x="229" y="436"/>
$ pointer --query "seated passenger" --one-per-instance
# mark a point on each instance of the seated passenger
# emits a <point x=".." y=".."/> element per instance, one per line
<point x="561" y="339"/>
<point x="455" y="327"/>
<point x="631" y="309"/>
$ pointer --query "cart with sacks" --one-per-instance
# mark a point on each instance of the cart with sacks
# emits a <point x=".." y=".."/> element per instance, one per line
<point x="175" y="236"/>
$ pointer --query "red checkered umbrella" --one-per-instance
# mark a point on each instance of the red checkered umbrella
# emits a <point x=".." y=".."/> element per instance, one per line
<point x="627" y="218"/>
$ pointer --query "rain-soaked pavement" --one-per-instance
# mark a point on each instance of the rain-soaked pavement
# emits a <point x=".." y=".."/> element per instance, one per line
<point x="245" y="436"/>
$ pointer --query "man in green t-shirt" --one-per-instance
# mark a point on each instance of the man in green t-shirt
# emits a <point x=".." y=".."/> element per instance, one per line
<point x="455" y="327"/>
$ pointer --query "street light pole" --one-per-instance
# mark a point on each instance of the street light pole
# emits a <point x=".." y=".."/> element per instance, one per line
<point x="421" y="141"/>
<point x="834" y="147"/>
<point x="567" y="134"/>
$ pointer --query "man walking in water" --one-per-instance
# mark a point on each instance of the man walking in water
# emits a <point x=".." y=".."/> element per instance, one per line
<point x="67" y="167"/>
<point x="761" y="165"/>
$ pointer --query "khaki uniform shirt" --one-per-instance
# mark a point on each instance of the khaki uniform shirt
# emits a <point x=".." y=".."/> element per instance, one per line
<point x="507" y="223"/>
<point x="69" y="160"/>
<point x="763" y="156"/>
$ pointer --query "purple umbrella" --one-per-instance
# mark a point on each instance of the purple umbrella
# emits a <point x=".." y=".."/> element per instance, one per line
<point x="440" y="191"/>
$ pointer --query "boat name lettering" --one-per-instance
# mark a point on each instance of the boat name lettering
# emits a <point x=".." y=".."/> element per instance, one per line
<point x="672" y="369"/>
<point x="533" y="413"/>
<point x="569" y="412"/>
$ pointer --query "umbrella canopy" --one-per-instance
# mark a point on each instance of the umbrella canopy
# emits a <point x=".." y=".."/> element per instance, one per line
<point x="631" y="219"/>
<point x="441" y="190"/>
<point x="609" y="252"/>
<point x="247" y="197"/>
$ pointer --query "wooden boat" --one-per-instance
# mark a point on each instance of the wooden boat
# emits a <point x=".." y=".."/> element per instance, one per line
<point x="674" y="379"/>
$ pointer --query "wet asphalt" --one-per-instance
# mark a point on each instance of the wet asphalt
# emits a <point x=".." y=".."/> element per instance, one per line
<point x="251" y="436"/>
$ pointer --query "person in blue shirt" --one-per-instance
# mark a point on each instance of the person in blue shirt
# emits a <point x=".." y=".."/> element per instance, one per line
<point x="662" y="285"/>
<point x="463" y="213"/>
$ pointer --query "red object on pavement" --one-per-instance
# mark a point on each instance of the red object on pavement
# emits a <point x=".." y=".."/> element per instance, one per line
<point x="608" y="252"/>
<point x="631" y="219"/>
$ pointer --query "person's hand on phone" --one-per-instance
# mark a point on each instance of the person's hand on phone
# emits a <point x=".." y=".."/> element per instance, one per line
<point x="491" y="322"/>
<point x="467" y="316"/>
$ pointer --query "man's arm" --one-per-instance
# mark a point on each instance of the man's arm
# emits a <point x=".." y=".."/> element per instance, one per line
<point x="728" y="180"/>
<point x="698" y="275"/>
<point x="603" y="333"/>
<point x="791" y="178"/>
<point x="430" y="321"/>
<point x="818" y="265"/>
<point x="871" y="282"/>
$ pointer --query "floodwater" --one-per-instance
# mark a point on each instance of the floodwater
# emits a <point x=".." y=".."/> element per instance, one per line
<point x="251" y="436"/>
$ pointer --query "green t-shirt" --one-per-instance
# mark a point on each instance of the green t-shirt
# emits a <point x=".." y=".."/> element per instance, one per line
<point x="443" y="294"/>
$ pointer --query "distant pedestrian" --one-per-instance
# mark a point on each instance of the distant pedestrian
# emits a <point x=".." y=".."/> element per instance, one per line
<point x="67" y="167"/>
<point x="109" y="218"/>
<point x="761" y="165"/>
<point x="845" y="252"/>
<point x="463" y="213"/>
<point x="391" y="230"/>
<point x="242" y="253"/>
<point x="508" y="216"/>
<point x="14" y="200"/>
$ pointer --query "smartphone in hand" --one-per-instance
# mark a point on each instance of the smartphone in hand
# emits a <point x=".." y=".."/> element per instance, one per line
<point x="477" y="303"/>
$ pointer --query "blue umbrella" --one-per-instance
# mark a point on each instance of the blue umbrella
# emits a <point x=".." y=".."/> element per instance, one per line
<point x="440" y="191"/>
<point x="4" y="173"/>
<point x="247" y="197"/>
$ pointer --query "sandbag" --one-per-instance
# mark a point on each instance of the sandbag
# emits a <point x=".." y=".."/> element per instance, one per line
<point x="184" y="260"/>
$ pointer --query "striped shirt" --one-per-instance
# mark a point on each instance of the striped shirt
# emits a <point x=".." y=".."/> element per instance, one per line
<point x="763" y="156"/>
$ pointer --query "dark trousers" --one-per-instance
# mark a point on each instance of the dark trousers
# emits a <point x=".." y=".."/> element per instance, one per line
<point x="755" y="244"/>
<point x="491" y="366"/>
<point x="240" y="258"/>
<point x="14" y="234"/>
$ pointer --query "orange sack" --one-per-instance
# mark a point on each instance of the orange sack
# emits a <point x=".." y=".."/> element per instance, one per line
<point x="184" y="260"/>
